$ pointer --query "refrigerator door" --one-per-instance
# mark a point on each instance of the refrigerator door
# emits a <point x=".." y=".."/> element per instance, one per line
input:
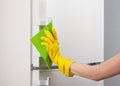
<point x="80" y="28"/>
<point x="57" y="79"/>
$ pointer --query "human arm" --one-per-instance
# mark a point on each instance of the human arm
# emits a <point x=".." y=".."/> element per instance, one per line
<point x="105" y="70"/>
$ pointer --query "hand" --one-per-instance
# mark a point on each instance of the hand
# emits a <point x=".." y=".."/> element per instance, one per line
<point x="51" y="43"/>
<point x="53" y="48"/>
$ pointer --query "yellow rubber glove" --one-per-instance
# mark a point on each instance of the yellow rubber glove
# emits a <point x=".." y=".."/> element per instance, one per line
<point x="53" y="48"/>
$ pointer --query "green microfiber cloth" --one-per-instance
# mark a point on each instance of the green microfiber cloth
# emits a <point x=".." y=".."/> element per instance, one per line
<point x="36" y="41"/>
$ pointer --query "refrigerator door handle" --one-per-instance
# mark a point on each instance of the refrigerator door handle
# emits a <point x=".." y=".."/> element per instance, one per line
<point x="94" y="63"/>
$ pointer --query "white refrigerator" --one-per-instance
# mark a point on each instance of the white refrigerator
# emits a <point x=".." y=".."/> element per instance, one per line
<point x="80" y="28"/>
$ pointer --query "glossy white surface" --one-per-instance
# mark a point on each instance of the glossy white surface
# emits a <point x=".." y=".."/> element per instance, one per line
<point x="80" y="27"/>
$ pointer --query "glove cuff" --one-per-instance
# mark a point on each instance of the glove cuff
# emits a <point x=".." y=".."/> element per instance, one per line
<point x="64" y="66"/>
<point x="67" y="68"/>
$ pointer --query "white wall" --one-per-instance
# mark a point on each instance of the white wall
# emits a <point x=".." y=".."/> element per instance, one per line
<point x="14" y="43"/>
<point x="112" y="35"/>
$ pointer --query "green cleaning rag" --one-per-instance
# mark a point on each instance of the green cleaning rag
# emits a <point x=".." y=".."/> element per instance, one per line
<point x="36" y="41"/>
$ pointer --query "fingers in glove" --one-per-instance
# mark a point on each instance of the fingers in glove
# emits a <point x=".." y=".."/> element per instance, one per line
<point x="47" y="40"/>
<point x="49" y="35"/>
<point x="54" y="33"/>
<point x="53" y="52"/>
